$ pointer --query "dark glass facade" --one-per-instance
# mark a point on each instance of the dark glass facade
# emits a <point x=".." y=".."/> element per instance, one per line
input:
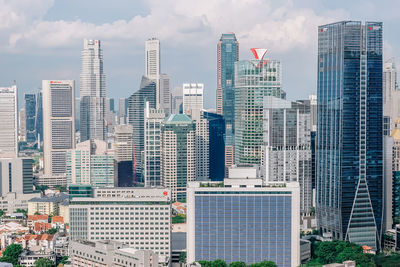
<point x="396" y="197"/>
<point x="30" y="118"/>
<point x="39" y="116"/>
<point x="243" y="227"/>
<point x="216" y="126"/>
<point x="136" y="106"/>
<point x="349" y="132"/>
<point x="123" y="174"/>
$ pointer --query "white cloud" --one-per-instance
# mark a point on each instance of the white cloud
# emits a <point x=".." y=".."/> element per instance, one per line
<point x="256" y="23"/>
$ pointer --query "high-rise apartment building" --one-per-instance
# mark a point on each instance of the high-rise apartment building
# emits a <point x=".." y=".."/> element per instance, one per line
<point x="140" y="217"/>
<point x="349" y="132"/>
<point x="228" y="54"/>
<point x="92" y="92"/>
<point x="90" y="162"/>
<point x="178" y="160"/>
<point x="9" y="122"/>
<point x="137" y="103"/>
<point x="58" y="124"/>
<point x="152" y="145"/>
<point x="202" y="140"/>
<point x="391" y="96"/>
<point x="254" y="79"/>
<point x="287" y="146"/>
<point x="193" y="99"/>
<point x="243" y="220"/>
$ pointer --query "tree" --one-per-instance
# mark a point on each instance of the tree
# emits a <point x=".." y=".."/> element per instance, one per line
<point x="237" y="264"/>
<point x="205" y="263"/>
<point x="1" y="213"/>
<point x="44" y="262"/>
<point x="22" y="211"/>
<point x="64" y="259"/>
<point x="264" y="264"/>
<point x="182" y="257"/>
<point x="326" y="252"/>
<point x="11" y="254"/>
<point x="219" y="263"/>
<point x="52" y="231"/>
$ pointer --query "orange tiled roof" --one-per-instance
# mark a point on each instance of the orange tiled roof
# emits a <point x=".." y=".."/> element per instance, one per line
<point x="37" y="217"/>
<point x="57" y="219"/>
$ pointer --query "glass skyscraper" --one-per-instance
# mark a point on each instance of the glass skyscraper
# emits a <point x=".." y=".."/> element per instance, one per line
<point x="349" y="131"/>
<point x="30" y="118"/>
<point x="228" y="54"/>
<point x="254" y="79"/>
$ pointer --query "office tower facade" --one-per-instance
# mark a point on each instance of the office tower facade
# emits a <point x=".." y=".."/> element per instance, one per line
<point x="92" y="92"/>
<point x="139" y="217"/>
<point x="193" y="99"/>
<point x="30" y="119"/>
<point x="39" y="116"/>
<point x="202" y="141"/>
<point x="287" y="146"/>
<point x="178" y="161"/>
<point x="123" y="149"/>
<point x="254" y="79"/>
<point x="16" y="176"/>
<point x="228" y="54"/>
<point x="395" y="177"/>
<point x="349" y="132"/>
<point x="22" y="125"/>
<point x="152" y="145"/>
<point x="123" y="110"/>
<point x="216" y="127"/>
<point x="152" y="64"/>
<point x="388" y="181"/>
<point x="243" y="220"/>
<point x="58" y="124"/>
<point x="9" y="122"/>
<point x="90" y="162"/>
<point x="165" y="93"/>
<point x="177" y="101"/>
<point x="391" y="96"/>
<point x="137" y="103"/>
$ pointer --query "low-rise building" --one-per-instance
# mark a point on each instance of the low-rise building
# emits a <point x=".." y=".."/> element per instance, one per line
<point x="28" y="258"/>
<point x="46" y="205"/>
<point x="32" y="219"/>
<point x="12" y="201"/>
<point x="109" y="253"/>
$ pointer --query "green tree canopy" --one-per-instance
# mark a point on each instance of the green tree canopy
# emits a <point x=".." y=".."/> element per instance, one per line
<point x="237" y="264"/>
<point x="11" y="254"/>
<point x="264" y="264"/>
<point x="218" y="263"/>
<point x="44" y="262"/>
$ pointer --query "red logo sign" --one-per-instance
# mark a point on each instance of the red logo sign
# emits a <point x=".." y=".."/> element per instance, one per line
<point x="165" y="193"/>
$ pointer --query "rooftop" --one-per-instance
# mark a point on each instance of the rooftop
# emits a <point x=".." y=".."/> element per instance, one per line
<point x="50" y="198"/>
<point x="177" y="119"/>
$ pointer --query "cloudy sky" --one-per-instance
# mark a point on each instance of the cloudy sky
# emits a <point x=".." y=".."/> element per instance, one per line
<point x="42" y="39"/>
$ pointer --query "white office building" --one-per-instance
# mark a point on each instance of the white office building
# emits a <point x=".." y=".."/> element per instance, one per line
<point x="92" y="92"/>
<point x="193" y="99"/>
<point x="165" y="93"/>
<point x="58" y="124"/>
<point x="202" y="150"/>
<point x="286" y="150"/>
<point x="243" y="220"/>
<point x="391" y="96"/>
<point x="152" y="65"/>
<point x="139" y="217"/>
<point x="153" y="119"/>
<point x="123" y="142"/>
<point x="9" y="122"/>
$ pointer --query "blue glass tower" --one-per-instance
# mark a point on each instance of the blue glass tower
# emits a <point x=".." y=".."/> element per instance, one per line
<point x="39" y="117"/>
<point x="30" y="118"/>
<point x="349" y="131"/>
<point x="228" y="54"/>
<point x="216" y="128"/>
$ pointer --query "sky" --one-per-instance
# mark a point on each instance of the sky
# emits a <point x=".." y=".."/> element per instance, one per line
<point x="43" y="39"/>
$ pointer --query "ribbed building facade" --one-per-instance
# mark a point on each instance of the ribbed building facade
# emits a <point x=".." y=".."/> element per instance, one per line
<point x="92" y="92"/>
<point x="58" y="124"/>
<point x="9" y="122"/>
<point x="349" y="132"/>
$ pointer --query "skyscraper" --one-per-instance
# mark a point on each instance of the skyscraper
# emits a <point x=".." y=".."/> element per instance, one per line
<point x="216" y="130"/>
<point x="178" y="154"/>
<point x="287" y="146"/>
<point x="30" y="119"/>
<point x="123" y="155"/>
<point x="391" y="96"/>
<point x="165" y="93"/>
<point x="228" y="54"/>
<point x="152" y="145"/>
<point x="136" y="106"/>
<point x="349" y="132"/>
<point x="58" y="124"/>
<point x="193" y="99"/>
<point x="395" y="174"/>
<point x="22" y="125"/>
<point x="39" y="116"/>
<point x="9" y="122"/>
<point x="152" y="63"/>
<point x="254" y="79"/>
<point x="92" y="92"/>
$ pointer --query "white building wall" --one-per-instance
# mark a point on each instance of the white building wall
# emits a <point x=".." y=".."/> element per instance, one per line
<point x="9" y="122"/>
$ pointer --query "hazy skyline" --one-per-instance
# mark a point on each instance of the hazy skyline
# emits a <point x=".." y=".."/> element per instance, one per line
<point x="43" y="39"/>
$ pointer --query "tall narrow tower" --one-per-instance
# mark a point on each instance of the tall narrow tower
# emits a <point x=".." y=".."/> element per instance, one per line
<point x="9" y="122"/>
<point x="349" y="132"/>
<point x="92" y="92"/>
<point x="228" y="54"/>
<point x="153" y="68"/>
